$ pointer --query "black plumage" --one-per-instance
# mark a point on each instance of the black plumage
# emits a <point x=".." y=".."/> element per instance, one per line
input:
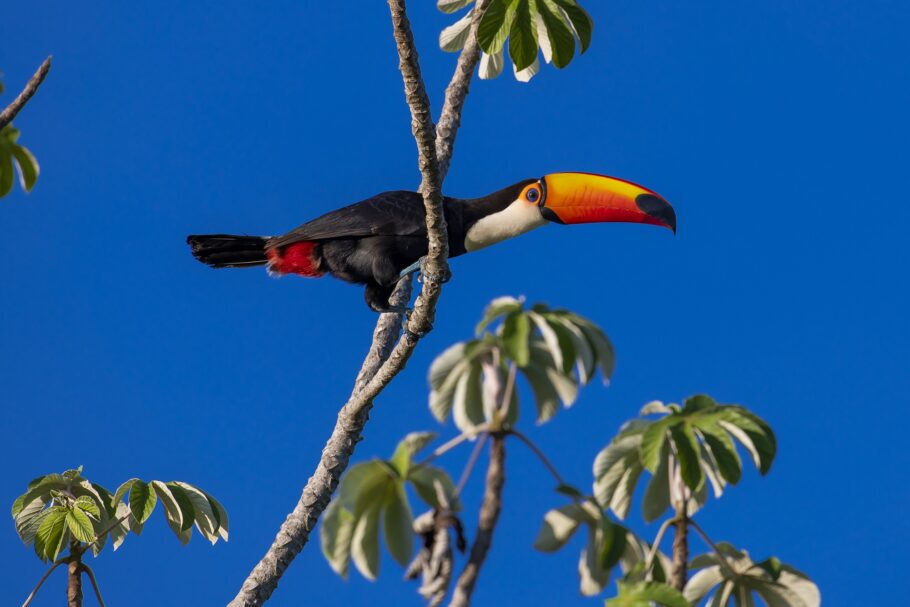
<point x="370" y="242"/>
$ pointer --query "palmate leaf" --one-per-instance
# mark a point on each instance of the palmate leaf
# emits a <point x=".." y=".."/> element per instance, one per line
<point x="740" y="579"/>
<point x="646" y="594"/>
<point x="52" y="534"/>
<point x="15" y="158"/>
<point x="407" y="448"/>
<point x="550" y="26"/>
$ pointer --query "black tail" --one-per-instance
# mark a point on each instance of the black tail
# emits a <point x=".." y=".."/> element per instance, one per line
<point x="228" y="251"/>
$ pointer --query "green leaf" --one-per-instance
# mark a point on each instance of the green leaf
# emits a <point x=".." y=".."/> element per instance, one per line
<point x="29" y="519"/>
<point x="397" y="521"/>
<point x="122" y="490"/>
<point x="119" y="532"/>
<point x="584" y="353"/>
<point x="221" y="516"/>
<point x="723" y="450"/>
<point x="593" y="577"/>
<point x="452" y="39"/>
<point x="335" y="535"/>
<point x="28" y="167"/>
<point x="600" y="343"/>
<point x="51" y="534"/>
<point x="365" y="543"/>
<point x="546" y="399"/>
<point x="699" y="402"/>
<point x="6" y="172"/>
<point x="657" y="495"/>
<point x="142" y="501"/>
<point x="616" y="472"/>
<point x="558" y="527"/>
<point x="687" y="453"/>
<point x="468" y="399"/>
<point x="451" y="6"/>
<point x="562" y="39"/>
<point x="172" y="510"/>
<point x="423" y="480"/>
<point x="761" y="443"/>
<point x="445" y="372"/>
<point x="203" y="515"/>
<point x="523" y="36"/>
<point x="492" y="32"/>
<point x="187" y="513"/>
<point x="644" y="594"/>
<point x="515" y="333"/>
<point x="701" y="583"/>
<point x="408" y="447"/>
<point x="580" y="20"/>
<point x="365" y="485"/>
<point x="561" y="351"/>
<point x="612" y="543"/>
<point x="87" y="505"/>
<point x="80" y="525"/>
<point x="491" y="65"/>
<point x="653" y="440"/>
<point x="655" y="407"/>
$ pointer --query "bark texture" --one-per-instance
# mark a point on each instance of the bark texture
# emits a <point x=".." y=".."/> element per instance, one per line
<point x="74" y="583"/>
<point x="386" y="357"/>
<point x="489" y="515"/>
<point x="7" y="115"/>
<point x="679" y="573"/>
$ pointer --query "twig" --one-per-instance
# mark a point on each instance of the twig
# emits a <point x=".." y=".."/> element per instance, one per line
<point x="91" y="577"/>
<point x="540" y="455"/>
<point x="7" y="115"/>
<point x="469" y="466"/>
<point x="489" y="515"/>
<point x="721" y="555"/>
<point x="457" y="91"/>
<point x="451" y="444"/>
<point x="44" y="577"/>
<point x="117" y="522"/>
<point x="383" y="361"/>
<point x="652" y="553"/>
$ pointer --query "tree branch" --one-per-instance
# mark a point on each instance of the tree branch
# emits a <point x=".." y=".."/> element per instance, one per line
<point x="7" y="115"/>
<point x="383" y="362"/>
<point x="91" y="577"/>
<point x="44" y="577"/>
<point x="489" y="515"/>
<point x="457" y="92"/>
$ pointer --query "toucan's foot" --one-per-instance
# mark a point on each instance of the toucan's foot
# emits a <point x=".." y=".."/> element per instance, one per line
<point x="442" y="277"/>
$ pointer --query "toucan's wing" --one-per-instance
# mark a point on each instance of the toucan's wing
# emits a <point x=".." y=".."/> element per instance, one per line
<point x="398" y="213"/>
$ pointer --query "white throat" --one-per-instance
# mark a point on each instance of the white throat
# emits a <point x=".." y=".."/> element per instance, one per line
<point x="514" y="220"/>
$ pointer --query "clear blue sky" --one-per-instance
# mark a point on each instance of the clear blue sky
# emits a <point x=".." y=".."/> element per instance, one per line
<point x="777" y="129"/>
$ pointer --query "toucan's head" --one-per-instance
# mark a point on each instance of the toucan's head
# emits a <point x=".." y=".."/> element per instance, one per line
<point x="567" y="198"/>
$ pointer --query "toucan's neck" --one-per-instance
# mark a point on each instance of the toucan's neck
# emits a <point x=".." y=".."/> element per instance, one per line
<point x="497" y="217"/>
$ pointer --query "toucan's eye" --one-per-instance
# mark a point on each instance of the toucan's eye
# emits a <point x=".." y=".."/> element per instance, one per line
<point x="533" y="195"/>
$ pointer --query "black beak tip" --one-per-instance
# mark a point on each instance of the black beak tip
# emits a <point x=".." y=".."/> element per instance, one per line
<point x="658" y="208"/>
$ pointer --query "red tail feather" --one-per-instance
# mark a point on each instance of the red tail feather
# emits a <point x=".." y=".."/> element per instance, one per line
<point x="298" y="258"/>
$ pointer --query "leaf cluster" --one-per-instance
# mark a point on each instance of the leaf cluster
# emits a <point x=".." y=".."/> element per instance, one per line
<point x="60" y="509"/>
<point x="15" y="158"/>
<point x="373" y="495"/>
<point x="526" y="28"/>
<point x="555" y="351"/>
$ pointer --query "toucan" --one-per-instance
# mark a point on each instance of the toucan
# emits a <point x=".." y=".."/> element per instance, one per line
<point x="376" y="241"/>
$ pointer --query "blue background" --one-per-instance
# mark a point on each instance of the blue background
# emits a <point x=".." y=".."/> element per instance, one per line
<point x="777" y="129"/>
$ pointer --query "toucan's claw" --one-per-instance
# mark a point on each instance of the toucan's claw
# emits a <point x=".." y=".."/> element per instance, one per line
<point x="441" y="278"/>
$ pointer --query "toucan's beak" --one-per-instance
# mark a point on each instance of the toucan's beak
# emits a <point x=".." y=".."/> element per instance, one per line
<point x="586" y="198"/>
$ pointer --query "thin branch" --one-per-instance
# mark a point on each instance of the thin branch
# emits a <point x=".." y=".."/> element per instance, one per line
<point x="117" y="522"/>
<point x="91" y="577"/>
<point x="383" y="362"/>
<point x="721" y="555"/>
<point x="540" y="455"/>
<point x="7" y="115"/>
<point x="457" y="91"/>
<point x="451" y="444"/>
<point x="652" y="553"/>
<point x="44" y="577"/>
<point x="469" y="467"/>
<point x="489" y="515"/>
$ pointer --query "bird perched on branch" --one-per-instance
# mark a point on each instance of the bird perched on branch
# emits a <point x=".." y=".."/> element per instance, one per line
<point x="378" y="240"/>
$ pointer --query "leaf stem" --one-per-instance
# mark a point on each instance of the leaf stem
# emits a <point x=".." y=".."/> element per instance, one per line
<point x="652" y="553"/>
<point x="469" y="467"/>
<point x="44" y="577"/>
<point x="540" y="455"/>
<point x="91" y="577"/>
<point x="723" y="558"/>
<point x="451" y="444"/>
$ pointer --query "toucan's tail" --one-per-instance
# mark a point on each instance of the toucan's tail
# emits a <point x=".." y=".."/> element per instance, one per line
<point x="228" y="251"/>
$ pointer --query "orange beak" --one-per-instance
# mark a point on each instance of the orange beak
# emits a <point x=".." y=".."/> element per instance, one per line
<point x="585" y="198"/>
